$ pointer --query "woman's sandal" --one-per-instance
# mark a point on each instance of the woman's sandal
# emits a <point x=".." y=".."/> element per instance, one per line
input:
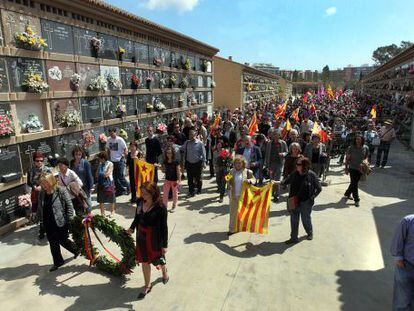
<point x="146" y="291"/>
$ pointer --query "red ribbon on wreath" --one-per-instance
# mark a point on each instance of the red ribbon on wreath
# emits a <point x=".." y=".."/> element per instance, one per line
<point x="87" y="222"/>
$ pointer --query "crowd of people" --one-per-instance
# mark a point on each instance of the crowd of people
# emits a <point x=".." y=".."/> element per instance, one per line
<point x="288" y="143"/>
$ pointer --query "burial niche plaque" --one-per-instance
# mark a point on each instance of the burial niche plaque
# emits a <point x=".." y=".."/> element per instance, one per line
<point x="61" y="107"/>
<point x="141" y="51"/>
<point x="87" y="73"/>
<point x="91" y="109"/>
<point x="46" y="146"/>
<point x="65" y="143"/>
<point x="82" y="41"/>
<point x="129" y="47"/>
<point x="109" y="48"/>
<point x="59" y="37"/>
<point x="4" y="80"/>
<point x="10" y="168"/>
<point x="59" y="74"/>
<point x="109" y="107"/>
<point x="19" y="68"/>
<point x="15" y="22"/>
<point x="130" y="104"/>
<point x="9" y="204"/>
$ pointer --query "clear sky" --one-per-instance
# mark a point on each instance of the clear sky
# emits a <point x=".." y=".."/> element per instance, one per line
<point x="291" y="34"/>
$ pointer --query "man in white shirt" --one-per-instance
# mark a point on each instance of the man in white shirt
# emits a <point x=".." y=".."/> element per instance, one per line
<point x="117" y="151"/>
<point x="386" y="135"/>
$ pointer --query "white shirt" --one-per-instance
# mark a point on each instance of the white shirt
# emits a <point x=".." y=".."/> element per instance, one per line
<point x="69" y="177"/>
<point x="238" y="182"/>
<point x="117" y="148"/>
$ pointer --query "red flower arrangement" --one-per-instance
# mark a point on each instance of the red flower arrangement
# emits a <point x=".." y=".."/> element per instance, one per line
<point x="225" y="158"/>
<point x="135" y="81"/>
<point x="6" y="126"/>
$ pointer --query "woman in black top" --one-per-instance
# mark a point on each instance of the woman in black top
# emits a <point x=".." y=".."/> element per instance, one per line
<point x="304" y="188"/>
<point x="172" y="171"/>
<point x="152" y="234"/>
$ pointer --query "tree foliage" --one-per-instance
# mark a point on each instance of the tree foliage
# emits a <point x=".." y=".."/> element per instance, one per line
<point x="325" y="74"/>
<point x="384" y="53"/>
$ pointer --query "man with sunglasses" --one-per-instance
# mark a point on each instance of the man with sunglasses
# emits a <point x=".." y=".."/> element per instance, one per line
<point x="33" y="176"/>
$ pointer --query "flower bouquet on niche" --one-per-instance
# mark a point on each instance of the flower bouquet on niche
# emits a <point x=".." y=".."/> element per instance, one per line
<point x="88" y="139"/>
<point x="149" y="107"/>
<point x="32" y="124"/>
<point x="6" y="126"/>
<point x="163" y="83"/>
<point x="113" y="82"/>
<point x="34" y="82"/>
<point x="180" y="101"/>
<point x="96" y="45"/>
<point x="29" y="40"/>
<point x="70" y="118"/>
<point x="157" y="61"/>
<point x="121" y="52"/>
<point x="24" y="201"/>
<point x="102" y="142"/>
<point x="149" y="79"/>
<point x="123" y="134"/>
<point x="173" y="80"/>
<point x="184" y="83"/>
<point x="161" y="128"/>
<point x="159" y="106"/>
<point x="75" y="80"/>
<point x="187" y="64"/>
<point x="135" y="82"/>
<point x="98" y="84"/>
<point x="120" y="109"/>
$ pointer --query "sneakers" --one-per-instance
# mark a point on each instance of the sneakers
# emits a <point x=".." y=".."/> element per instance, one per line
<point x="221" y="199"/>
<point x="357" y="203"/>
<point x="309" y="237"/>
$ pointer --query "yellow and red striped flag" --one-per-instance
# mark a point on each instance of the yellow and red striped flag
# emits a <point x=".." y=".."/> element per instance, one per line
<point x="281" y="111"/>
<point x="316" y="128"/>
<point x="144" y="172"/>
<point x="295" y="114"/>
<point x="216" y="123"/>
<point x="253" y="210"/>
<point x="253" y="127"/>
<point x="373" y="112"/>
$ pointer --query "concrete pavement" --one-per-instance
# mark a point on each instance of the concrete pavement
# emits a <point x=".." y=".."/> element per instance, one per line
<point x="346" y="267"/>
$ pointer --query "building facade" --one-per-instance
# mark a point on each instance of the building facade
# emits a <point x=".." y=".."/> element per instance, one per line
<point x="69" y="70"/>
<point x="391" y="87"/>
<point x="239" y="85"/>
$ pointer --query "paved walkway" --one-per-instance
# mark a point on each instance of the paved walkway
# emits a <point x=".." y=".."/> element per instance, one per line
<point x="346" y="267"/>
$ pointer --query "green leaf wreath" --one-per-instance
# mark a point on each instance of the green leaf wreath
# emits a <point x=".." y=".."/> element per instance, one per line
<point x="116" y="234"/>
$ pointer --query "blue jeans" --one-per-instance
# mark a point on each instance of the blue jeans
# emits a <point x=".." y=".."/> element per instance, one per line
<point x="121" y="185"/>
<point x="303" y="210"/>
<point x="404" y="288"/>
<point x="276" y="174"/>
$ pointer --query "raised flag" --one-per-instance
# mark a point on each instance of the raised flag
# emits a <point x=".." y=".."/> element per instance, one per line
<point x="316" y="129"/>
<point x="253" y="210"/>
<point x="295" y="114"/>
<point x="373" y="112"/>
<point x="286" y="129"/>
<point x="312" y="108"/>
<point x="281" y="111"/>
<point x="253" y="127"/>
<point x="144" y="172"/>
<point x="216" y="124"/>
<point x="329" y="92"/>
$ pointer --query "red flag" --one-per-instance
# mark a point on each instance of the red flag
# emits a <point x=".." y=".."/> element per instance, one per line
<point x="312" y="108"/>
<point x="286" y="129"/>
<point x="295" y="114"/>
<point x="253" y="127"/>
<point x="281" y="111"/>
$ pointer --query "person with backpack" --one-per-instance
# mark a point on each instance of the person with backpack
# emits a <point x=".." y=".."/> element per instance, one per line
<point x="305" y="186"/>
<point x="83" y="169"/>
<point x="56" y="211"/>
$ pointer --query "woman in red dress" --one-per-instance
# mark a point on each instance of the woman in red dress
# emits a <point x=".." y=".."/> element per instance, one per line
<point x="152" y="234"/>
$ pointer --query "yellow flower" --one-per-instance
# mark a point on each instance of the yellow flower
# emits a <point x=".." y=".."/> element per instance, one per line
<point x="42" y="41"/>
<point x="228" y="177"/>
<point x="29" y="30"/>
<point x="121" y="50"/>
<point x="22" y="38"/>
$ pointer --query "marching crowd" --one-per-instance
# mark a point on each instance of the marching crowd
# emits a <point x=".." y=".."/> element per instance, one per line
<point x="289" y="144"/>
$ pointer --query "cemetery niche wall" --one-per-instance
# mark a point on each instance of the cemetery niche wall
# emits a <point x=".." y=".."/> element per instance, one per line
<point x="67" y="75"/>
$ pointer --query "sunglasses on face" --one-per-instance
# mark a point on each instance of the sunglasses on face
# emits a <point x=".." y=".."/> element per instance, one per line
<point x="38" y="161"/>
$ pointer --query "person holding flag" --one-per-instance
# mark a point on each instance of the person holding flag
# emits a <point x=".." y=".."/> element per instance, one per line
<point x="235" y="179"/>
<point x="252" y="154"/>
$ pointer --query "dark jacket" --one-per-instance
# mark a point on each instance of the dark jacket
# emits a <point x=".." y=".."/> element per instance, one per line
<point x="84" y="171"/>
<point x="62" y="206"/>
<point x="154" y="150"/>
<point x="157" y="218"/>
<point x="305" y="186"/>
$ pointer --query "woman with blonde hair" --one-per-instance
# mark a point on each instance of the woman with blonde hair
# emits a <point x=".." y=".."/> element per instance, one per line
<point x="56" y="211"/>
<point x="235" y="179"/>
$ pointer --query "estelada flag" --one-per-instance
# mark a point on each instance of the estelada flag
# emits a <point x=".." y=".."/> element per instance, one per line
<point x="216" y="123"/>
<point x="316" y="129"/>
<point x="295" y="114"/>
<point x="373" y="112"/>
<point x="253" y="209"/>
<point x="144" y="172"/>
<point x="253" y="127"/>
<point x="281" y="111"/>
<point x="312" y="108"/>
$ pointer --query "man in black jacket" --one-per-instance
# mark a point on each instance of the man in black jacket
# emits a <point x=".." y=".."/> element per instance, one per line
<point x="154" y="150"/>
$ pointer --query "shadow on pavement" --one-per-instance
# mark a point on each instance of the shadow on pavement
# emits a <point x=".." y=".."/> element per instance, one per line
<point x="27" y="235"/>
<point x="111" y="295"/>
<point x="249" y="250"/>
<point x="372" y="290"/>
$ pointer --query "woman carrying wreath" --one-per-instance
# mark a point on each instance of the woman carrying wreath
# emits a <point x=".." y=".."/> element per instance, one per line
<point x="235" y="178"/>
<point x="152" y="234"/>
<point x="56" y="211"/>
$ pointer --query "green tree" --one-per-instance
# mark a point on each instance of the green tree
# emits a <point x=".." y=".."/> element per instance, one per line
<point x="315" y="76"/>
<point x="384" y="53"/>
<point x="325" y="74"/>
